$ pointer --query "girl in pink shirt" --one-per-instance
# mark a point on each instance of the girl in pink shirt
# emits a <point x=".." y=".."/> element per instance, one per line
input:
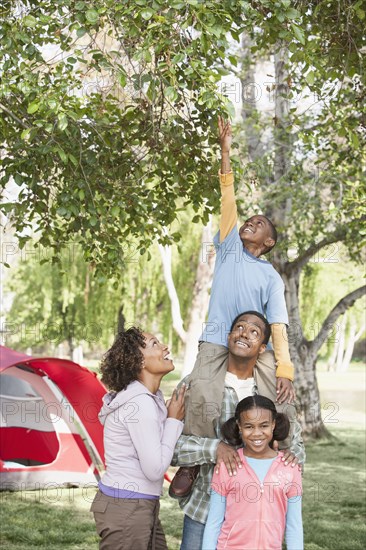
<point x="263" y="501"/>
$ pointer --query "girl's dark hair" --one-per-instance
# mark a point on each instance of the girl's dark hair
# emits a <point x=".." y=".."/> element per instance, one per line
<point x="267" y="326"/>
<point x="123" y="361"/>
<point x="230" y="430"/>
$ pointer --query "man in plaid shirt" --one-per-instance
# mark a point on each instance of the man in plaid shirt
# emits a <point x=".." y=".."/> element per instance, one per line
<point x="248" y="338"/>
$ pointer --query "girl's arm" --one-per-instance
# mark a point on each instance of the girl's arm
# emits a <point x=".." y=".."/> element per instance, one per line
<point x="294" y="531"/>
<point x="215" y="519"/>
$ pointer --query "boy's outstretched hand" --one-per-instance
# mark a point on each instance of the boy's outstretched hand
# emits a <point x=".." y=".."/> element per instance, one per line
<point x="285" y="391"/>
<point x="225" y="134"/>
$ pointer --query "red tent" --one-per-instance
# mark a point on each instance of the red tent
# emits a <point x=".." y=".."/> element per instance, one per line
<point x="49" y="427"/>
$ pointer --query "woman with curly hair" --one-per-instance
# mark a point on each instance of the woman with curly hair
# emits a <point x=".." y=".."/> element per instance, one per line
<point x="140" y="433"/>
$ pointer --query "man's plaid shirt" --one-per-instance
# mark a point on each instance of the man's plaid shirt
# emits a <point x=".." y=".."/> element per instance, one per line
<point x="192" y="450"/>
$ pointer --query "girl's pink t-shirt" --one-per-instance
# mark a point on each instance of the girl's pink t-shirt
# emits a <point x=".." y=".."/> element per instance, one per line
<point x="255" y="514"/>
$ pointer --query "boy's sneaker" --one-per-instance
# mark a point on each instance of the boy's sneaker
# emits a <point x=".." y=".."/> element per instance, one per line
<point x="183" y="481"/>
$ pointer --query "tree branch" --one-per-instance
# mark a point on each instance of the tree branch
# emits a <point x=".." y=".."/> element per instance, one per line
<point x="338" y="235"/>
<point x="166" y="259"/>
<point x="13" y="116"/>
<point x="345" y="303"/>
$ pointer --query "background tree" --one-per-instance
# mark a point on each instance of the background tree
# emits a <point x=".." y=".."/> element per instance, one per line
<point x="62" y="302"/>
<point x="309" y="169"/>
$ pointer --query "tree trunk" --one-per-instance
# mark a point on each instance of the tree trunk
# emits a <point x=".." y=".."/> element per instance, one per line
<point x="78" y="355"/>
<point x="351" y="340"/>
<point x="304" y="358"/>
<point x="200" y="298"/>
<point x="333" y="357"/>
<point x="341" y="343"/>
<point x="308" y="396"/>
<point x="121" y="320"/>
<point x="166" y="259"/>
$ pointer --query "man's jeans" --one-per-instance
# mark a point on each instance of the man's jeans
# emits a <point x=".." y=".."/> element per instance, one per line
<point x="192" y="534"/>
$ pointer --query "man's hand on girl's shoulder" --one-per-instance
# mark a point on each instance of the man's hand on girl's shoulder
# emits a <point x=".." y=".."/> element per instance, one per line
<point x="229" y="456"/>
<point x="288" y="458"/>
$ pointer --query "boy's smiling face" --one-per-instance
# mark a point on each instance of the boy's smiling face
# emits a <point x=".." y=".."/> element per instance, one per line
<point x="257" y="231"/>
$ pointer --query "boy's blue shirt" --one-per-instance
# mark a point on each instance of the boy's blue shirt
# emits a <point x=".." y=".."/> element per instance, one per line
<point x="241" y="282"/>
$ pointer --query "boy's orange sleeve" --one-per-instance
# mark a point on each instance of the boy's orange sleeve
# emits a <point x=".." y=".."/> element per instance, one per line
<point x="285" y="368"/>
<point x="229" y="213"/>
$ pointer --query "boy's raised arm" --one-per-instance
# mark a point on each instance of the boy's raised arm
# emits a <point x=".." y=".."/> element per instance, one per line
<point x="229" y="216"/>
<point x="225" y="143"/>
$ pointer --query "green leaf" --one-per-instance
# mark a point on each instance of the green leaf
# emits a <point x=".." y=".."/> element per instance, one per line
<point x="62" y="155"/>
<point x="25" y="134"/>
<point x="292" y="13"/>
<point x="32" y="108"/>
<point x="30" y="21"/>
<point x="147" y="13"/>
<point x="299" y="33"/>
<point x="80" y="32"/>
<point x="62" y="122"/>
<point x="115" y="210"/>
<point x="178" y="58"/>
<point x="310" y="77"/>
<point x="61" y="211"/>
<point x="73" y="159"/>
<point x="354" y="138"/>
<point x="92" y="16"/>
<point x="52" y="103"/>
<point x="230" y="109"/>
<point x="122" y="78"/>
<point x="170" y="93"/>
<point x="235" y="35"/>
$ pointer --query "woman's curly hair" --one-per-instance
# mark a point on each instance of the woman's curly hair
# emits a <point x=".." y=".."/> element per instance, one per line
<point x="123" y="362"/>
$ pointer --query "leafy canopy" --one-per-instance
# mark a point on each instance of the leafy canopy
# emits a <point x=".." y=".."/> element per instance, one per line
<point x="109" y="112"/>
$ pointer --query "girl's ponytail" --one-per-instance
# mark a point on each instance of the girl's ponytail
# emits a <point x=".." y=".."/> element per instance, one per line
<point x="230" y="432"/>
<point x="282" y="427"/>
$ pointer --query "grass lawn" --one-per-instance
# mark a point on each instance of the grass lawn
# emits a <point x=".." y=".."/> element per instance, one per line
<point x="334" y="486"/>
<point x="334" y="506"/>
